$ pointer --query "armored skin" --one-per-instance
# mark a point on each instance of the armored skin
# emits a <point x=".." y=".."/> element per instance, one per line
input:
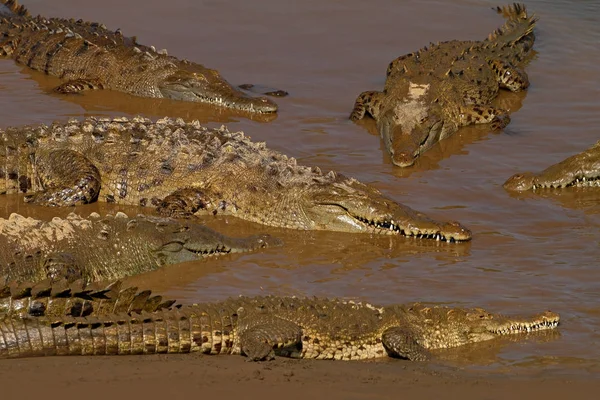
<point x="61" y="298"/>
<point x="428" y="95"/>
<point x="579" y="170"/>
<point x="87" y="56"/>
<point x="262" y="327"/>
<point x="107" y="248"/>
<point x="183" y="169"/>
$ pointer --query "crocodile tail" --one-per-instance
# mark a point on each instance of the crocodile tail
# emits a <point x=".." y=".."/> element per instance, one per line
<point x="147" y="333"/>
<point x="76" y="299"/>
<point x="519" y="26"/>
<point x="12" y="7"/>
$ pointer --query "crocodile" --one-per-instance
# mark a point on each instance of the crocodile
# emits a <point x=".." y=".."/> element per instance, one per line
<point x="263" y="327"/>
<point x="579" y="170"/>
<point x="429" y="94"/>
<point x="88" y="56"/>
<point x="107" y="248"/>
<point x="77" y="299"/>
<point x="182" y="169"/>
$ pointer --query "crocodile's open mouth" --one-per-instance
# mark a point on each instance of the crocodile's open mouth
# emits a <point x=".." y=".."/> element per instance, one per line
<point x="392" y="228"/>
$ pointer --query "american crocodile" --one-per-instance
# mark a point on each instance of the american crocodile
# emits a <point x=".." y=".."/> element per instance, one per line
<point x="107" y="248"/>
<point x="262" y="327"/>
<point x="88" y="56"/>
<point x="183" y="169"/>
<point x="61" y="298"/>
<point x="579" y="170"/>
<point x="428" y="95"/>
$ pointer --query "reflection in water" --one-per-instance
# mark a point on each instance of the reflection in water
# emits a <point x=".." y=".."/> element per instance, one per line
<point x="586" y="199"/>
<point x="487" y="354"/>
<point x="108" y="102"/>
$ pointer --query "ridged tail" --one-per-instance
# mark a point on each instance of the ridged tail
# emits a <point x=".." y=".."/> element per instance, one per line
<point x="76" y="300"/>
<point x="12" y="7"/>
<point x="518" y="27"/>
<point x="173" y="331"/>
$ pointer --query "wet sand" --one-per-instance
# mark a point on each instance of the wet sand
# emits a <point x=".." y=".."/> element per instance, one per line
<point x="529" y="252"/>
<point x="186" y="376"/>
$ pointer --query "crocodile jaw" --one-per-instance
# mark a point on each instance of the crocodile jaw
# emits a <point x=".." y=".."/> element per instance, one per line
<point x="529" y="181"/>
<point x="354" y="207"/>
<point x="211" y="89"/>
<point x="407" y="135"/>
<point x="508" y="326"/>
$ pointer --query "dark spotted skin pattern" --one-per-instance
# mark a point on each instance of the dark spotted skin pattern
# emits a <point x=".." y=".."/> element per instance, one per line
<point x="428" y="95"/>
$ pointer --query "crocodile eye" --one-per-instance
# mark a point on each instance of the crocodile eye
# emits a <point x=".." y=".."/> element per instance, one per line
<point x="507" y="73"/>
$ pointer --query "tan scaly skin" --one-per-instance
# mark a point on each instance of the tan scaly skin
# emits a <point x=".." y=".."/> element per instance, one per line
<point x="263" y="327"/>
<point x="428" y="95"/>
<point x="183" y="169"/>
<point x="579" y="170"/>
<point x="87" y="56"/>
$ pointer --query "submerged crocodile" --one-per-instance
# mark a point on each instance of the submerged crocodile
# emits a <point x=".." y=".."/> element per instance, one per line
<point x="107" y="248"/>
<point x="61" y="298"/>
<point x="88" y="56"/>
<point x="262" y="327"/>
<point x="183" y="169"/>
<point x="579" y="170"/>
<point x="430" y="94"/>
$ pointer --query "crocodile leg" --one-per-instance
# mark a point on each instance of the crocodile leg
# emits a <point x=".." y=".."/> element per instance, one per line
<point x="184" y="203"/>
<point x="67" y="178"/>
<point x="400" y="342"/>
<point x="79" y="85"/>
<point x="484" y="115"/>
<point x="508" y="76"/>
<point x="261" y="342"/>
<point x="366" y="103"/>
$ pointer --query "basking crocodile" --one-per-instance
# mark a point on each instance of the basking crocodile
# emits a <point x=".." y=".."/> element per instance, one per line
<point x="88" y="56"/>
<point x="183" y="169"/>
<point x="107" y="248"/>
<point x="430" y="94"/>
<point x="579" y="170"/>
<point x="262" y="327"/>
<point x="61" y="298"/>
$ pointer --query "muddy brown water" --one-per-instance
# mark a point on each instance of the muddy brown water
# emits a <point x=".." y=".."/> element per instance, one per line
<point x="528" y="253"/>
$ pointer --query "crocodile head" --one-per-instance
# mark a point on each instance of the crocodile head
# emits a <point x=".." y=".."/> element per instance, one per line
<point x="411" y="127"/>
<point x="579" y="170"/>
<point x="180" y="243"/>
<point x="207" y="86"/>
<point x="438" y="327"/>
<point x="350" y="206"/>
